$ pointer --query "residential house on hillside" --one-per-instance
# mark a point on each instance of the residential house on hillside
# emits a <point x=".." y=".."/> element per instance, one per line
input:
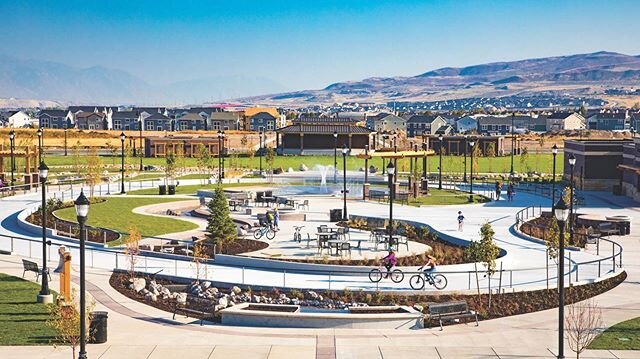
<point x="445" y="130"/>
<point x="386" y="123"/>
<point x="91" y="121"/>
<point x="18" y="119"/>
<point x="418" y="125"/>
<point x="609" y="121"/>
<point x="565" y="121"/>
<point x="262" y="121"/>
<point x="466" y="124"/>
<point x="226" y="121"/>
<point x="148" y="111"/>
<point x="635" y="121"/>
<point x="191" y="122"/>
<point x="491" y="125"/>
<point x="158" y="122"/>
<point x="126" y="120"/>
<point x="54" y="119"/>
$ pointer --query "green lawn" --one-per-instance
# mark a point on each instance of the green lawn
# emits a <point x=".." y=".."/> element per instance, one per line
<point x="146" y="176"/>
<point x="195" y="176"/>
<point x="445" y="197"/>
<point x="533" y="162"/>
<point x="22" y="320"/>
<point x="622" y="336"/>
<point x="116" y="213"/>
<point x="192" y="189"/>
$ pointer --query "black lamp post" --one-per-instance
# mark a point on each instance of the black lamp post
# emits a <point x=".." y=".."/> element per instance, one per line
<point x="385" y="137"/>
<point x="561" y="213"/>
<point x="440" y="138"/>
<point x="222" y="154"/>
<point x="45" y="295"/>
<point x="513" y="145"/>
<point x="12" y="139"/>
<point x="122" y="137"/>
<point x="344" y="182"/>
<point x="82" y="210"/>
<point x="366" y="169"/>
<point x="464" y="177"/>
<point x="391" y="172"/>
<point x="471" y="144"/>
<point x="40" y="145"/>
<point x="424" y="158"/>
<point x="219" y="156"/>
<point x="140" y="150"/>
<point x="554" y="151"/>
<point x="260" y="150"/>
<point x="65" y="139"/>
<point x="572" y="163"/>
<point x="335" y="157"/>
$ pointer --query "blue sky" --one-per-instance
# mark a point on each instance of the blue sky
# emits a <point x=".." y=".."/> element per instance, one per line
<point x="308" y="44"/>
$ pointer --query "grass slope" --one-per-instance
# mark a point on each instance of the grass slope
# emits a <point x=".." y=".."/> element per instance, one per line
<point x="191" y="189"/>
<point x="622" y="336"/>
<point x="116" y="213"/>
<point x="22" y="320"/>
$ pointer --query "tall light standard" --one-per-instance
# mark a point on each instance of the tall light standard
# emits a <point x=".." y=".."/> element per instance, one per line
<point x="391" y="172"/>
<point x="464" y="177"/>
<point x="561" y="213"/>
<point x="471" y="144"/>
<point x="513" y="145"/>
<point x="65" y="139"/>
<point x="82" y="210"/>
<point x="45" y="295"/>
<point x="40" y="145"/>
<point x="122" y="138"/>
<point x="424" y="158"/>
<point x="335" y="157"/>
<point x="260" y="150"/>
<point x="572" y="163"/>
<point x="440" y="138"/>
<point x="344" y="182"/>
<point x="140" y="149"/>
<point x="12" y="139"/>
<point x="385" y="137"/>
<point x="222" y="154"/>
<point x="219" y="156"/>
<point x="554" y="151"/>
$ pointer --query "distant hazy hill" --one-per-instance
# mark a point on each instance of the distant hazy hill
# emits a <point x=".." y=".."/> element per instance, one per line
<point x="34" y="79"/>
<point x="577" y="74"/>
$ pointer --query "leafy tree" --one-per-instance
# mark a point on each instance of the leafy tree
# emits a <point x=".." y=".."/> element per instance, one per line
<point x="491" y="152"/>
<point x="476" y="157"/>
<point x="484" y="251"/>
<point x="94" y="168"/>
<point x="76" y="158"/>
<point x="203" y="160"/>
<point x="221" y="228"/>
<point x="199" y="257"/>
<point x="524" y="159"/>
<point x="270" y="157"/>
<point x="132" y="249"/>
<point x="170" y="168"/>
<point x="65" y="320"/>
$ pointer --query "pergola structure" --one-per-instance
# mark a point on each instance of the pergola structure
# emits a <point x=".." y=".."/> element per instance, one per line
<point x="391" y="154"/>
<point x="30" y="156"/>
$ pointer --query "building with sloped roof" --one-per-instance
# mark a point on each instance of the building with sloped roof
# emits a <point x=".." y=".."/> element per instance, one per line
<point x="316" y="135"/>
<point x="418" y="125"/>
<point x="54" y="119"/>
<point x="191" y="122"/>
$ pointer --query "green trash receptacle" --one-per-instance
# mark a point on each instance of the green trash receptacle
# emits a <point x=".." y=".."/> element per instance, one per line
<point x="162" y="189"/>
<point x="98" y="327"/>
<point x="172" y="189"/>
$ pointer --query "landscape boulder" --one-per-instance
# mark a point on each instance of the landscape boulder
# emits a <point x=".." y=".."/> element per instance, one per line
<point x="139" y="284"/>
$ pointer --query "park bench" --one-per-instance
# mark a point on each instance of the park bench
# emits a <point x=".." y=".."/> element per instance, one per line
<point x="377" y="195"/>
<point x="607" y="229"/>
<point x="402" y="197"/>
<point x="196" y="307"/>
<point x="450" y="311"/>
<point x="30" y="266"/>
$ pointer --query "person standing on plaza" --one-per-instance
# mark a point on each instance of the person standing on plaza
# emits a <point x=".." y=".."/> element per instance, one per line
<point x="510" y="192"/>
<point x="276" y="219"/>
<point x="498" y="190"/>
<point x="460" y="221"/>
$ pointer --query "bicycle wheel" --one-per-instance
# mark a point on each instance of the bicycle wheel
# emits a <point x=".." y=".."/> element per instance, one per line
<point x="257" y="234"/>
<point x="270" y="234"/>
<point x="417" y="282"/>
<point x="297" y="237"/>
<point x="439" y="281"/>
<point x="375" y="275"/>
<point x="397" y="276"/>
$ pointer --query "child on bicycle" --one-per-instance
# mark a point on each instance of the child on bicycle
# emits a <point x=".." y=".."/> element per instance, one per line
<point x="429" y="267"/>
<point x="390" y="261"/>
<point x="269" y="217"/>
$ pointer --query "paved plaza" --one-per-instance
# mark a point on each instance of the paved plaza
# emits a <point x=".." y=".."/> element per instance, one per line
<point x="140" y="331"/>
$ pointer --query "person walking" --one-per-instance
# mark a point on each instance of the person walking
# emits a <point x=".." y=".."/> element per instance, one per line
<point x="510" y="192"/>
<point x="460" y="221"/>
<point x="498" y="190"/>
<point x="276" y="219"/>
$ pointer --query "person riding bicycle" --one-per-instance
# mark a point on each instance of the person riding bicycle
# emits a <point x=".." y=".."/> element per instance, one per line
<point x="429" y="267"/>
<point x="390" y="261"/>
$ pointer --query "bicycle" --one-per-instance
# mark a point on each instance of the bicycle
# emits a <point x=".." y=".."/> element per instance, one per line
<point x="418" y="281"/>
<point x="297" y="236"/>
<point x="264" y="230"/>
<point x="377" y="274"/>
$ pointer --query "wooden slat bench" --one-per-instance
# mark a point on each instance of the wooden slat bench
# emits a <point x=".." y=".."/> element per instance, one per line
<point x="450" y="311"/>
<point x="196" y="307"/>
<point x="30" y="266"/>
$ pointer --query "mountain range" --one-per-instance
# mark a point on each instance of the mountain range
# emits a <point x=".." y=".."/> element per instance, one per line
<point x="52" y="81"/>
<point x="574" y="75"/>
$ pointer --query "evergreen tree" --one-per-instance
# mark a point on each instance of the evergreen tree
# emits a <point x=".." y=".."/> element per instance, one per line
<point x="221" y="228"/>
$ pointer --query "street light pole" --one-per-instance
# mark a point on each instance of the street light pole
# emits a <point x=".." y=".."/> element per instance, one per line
<point x="471" y="144"/>
<point x="424" y="158"/>
<point x="384" y="145"/>
<point x="82" y="210"/>
<point x="65" y="139"/>
<point x="366" y="169"/>
<point x="391" y="172"/>
<point x="440" y="138"/>
<point x="554" y="151"/>
<point x="219" y="156"/>
<point x="464" y="177"/>
<point x="572" y="163"/>
<point x="561" y="214"/>
<point x="344" y="183"/>
<point x="335" y="157"/>
<point x="122" y="137"/>
<point x="45" y="294"/>
<point x="513" y="146"/>
<point x="12" y="138"/>
<point x="140" y="149"/>
<point x="223" y="152"/>
<point x="260" y="151"/>
<point x="40" y="145"/>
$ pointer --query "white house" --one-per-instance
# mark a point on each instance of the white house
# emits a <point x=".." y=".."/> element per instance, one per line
<point x="17" y="119"/>
<point x="466" y="124"/>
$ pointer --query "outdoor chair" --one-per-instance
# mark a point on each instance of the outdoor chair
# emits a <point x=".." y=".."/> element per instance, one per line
<point x="304" y="204"/>
<point x="343" y="247"/>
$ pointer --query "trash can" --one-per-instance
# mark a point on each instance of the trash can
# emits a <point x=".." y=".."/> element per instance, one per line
<point x="335" y="215"/>
<point x="98" y="328"/>
<point x="162" y="189"/>
<point x="172" y="189"/>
